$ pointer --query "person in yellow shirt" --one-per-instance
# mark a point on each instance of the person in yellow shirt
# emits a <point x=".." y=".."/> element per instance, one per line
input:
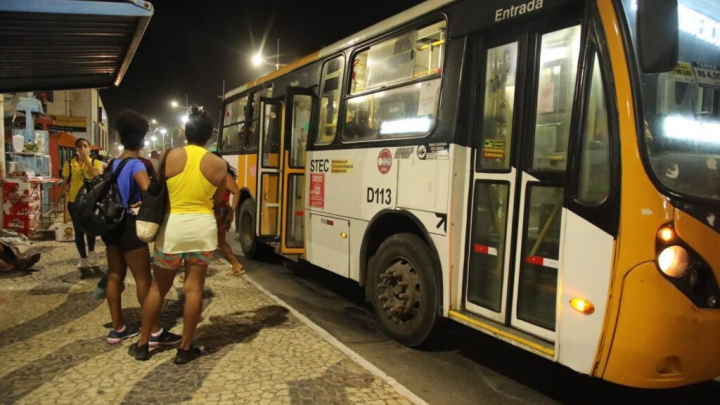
<point x="75" y="171"/>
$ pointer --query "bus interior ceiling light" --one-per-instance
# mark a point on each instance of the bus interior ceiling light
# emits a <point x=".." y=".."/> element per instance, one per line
<point x="682" y="128"/>
<point x="673" y="261"/>
<point x="405" y="126"/>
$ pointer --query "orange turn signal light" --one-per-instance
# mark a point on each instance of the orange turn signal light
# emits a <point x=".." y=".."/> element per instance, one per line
<point x="583" y="306"/>
<point x="666" y="234"/>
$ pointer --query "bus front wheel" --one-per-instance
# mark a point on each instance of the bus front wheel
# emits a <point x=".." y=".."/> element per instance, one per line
<point x="246" y="229"/>
<point x="404" y="289"/>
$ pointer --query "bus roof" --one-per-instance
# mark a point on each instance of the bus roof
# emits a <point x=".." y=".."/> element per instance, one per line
<point x="382" y="26"/>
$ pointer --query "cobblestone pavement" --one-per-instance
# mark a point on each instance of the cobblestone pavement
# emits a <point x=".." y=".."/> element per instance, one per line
<point x="254" y="351"/>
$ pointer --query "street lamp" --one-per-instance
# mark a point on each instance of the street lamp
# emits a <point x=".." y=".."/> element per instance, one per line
<point x="154" y="138"/>
<point x="175" y="104"/>
<point x="258" y="59"/>
<point x="153" y="121"/>
<point x="147" y="144"/>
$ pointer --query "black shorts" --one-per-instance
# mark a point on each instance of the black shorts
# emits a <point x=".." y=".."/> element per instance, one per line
<point x="124" y="235"/>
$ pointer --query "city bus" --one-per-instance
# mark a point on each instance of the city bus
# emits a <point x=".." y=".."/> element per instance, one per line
<point x="545" y="172"/>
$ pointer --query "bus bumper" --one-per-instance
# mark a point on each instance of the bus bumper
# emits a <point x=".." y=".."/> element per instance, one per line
<point x="662" y="340"/>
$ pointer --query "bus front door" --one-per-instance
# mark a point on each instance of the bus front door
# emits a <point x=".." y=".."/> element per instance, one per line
<point x="297" y="122"/>
<point x="525" y="102"/>
<point x="269" y="175"/>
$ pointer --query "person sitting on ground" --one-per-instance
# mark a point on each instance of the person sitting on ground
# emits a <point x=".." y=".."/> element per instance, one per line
<point x="13" y="253"/>
<point x="189" y="234"/>
<point x="124" y="249"/>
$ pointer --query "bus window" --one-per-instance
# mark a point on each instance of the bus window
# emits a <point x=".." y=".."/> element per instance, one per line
<point x="595" y="160"/>
<point x="558" y="72"/>
<point x="375" y="112"/>
<point x="234" y="115"/>
<point x="414" y="54"/>
<point x="331" y="84"/>
<point x="402" y="111"/>
<point x="498" y="107"/>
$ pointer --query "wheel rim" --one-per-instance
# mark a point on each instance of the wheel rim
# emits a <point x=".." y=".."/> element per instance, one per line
<point x="400" y="291"/>
<point x="246" y="226"/>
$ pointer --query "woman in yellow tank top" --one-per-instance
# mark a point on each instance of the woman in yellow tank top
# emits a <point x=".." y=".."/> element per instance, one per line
<point x="195" y="178"/>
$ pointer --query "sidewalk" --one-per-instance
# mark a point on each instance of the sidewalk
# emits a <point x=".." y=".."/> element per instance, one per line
<point x="255" y="350"/>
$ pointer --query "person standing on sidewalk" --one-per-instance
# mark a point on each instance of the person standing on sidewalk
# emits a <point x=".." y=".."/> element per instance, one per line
<point x="124" y="249"/>
<point x="75" y="171"/>
<point x="189" y="234"/>
<point x="224" y="214"/>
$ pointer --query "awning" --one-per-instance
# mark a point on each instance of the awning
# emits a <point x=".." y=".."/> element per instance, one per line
<point x="68" y="44"/>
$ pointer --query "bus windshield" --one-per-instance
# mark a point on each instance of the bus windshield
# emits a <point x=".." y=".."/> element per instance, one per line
<point x="682" y="107"/>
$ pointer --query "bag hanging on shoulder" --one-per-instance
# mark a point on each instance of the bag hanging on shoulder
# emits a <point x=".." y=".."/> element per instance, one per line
<point x="98" y="205"/>
<point x="154" y="206"/>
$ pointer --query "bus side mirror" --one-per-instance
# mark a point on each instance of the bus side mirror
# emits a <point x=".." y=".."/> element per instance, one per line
<point x="658" y="35"/>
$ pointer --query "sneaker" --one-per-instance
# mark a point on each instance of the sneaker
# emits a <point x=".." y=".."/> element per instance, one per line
<point x="115" y="337"/>
<point x="140" y="353"/>
<point x="186" y="356"/>
<point x="92" y="258"/>
<point x="83" y="264"/>
<point x="165" y="338"/>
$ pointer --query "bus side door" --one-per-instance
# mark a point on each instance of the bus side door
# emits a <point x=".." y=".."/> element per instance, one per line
<point x="297" y="128"/>
<point x="269" y="164"/>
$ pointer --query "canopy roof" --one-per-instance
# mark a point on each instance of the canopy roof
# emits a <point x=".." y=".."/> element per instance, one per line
<point x="68" y="44"/>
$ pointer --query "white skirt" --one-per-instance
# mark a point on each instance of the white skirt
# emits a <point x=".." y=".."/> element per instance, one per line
<point x="182" y="233"/>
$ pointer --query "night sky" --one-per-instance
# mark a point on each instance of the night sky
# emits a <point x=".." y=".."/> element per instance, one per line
<point x="192" y="46"/>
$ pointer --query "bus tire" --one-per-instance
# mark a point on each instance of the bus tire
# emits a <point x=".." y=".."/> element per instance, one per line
<point x="404" y="289"/>
<point x="246" y="229"/>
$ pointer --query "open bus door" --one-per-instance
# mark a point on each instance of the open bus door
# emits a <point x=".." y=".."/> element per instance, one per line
<point x="296" y="130"/>
<point x="269" y="184"/>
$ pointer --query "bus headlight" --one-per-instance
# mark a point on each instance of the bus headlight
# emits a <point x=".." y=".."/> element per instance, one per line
<point x="685" y="268"/>
<point x="674" y="261"/>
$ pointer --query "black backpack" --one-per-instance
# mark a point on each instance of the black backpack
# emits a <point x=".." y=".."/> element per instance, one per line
<point x="155" y="204"/>
<point x="98" y="205"/>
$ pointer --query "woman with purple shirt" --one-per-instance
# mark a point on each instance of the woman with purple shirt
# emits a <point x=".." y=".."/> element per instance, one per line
<point x="124" y="249"/>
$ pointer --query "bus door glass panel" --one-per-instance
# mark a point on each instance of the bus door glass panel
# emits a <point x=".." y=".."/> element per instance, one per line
<point x="295" y="237"/>
<point x="539" y="260"/>
<point x="301" y="109"/>
<point x="301" y="115"/>
<point x="487" y="254"/>
<point x="270" y="204"/>
<point x="493" y="186"/>
<point x="556" y="87"/>
<point x="272" y="126"/>
<point x="501" y="71"/>
<point x="270" y="122"/>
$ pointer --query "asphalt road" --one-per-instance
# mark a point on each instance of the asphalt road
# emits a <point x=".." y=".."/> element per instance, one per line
<point x="466" y="367"/>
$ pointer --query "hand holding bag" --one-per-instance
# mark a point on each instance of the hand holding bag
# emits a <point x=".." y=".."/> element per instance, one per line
<point x="154" y="206"/>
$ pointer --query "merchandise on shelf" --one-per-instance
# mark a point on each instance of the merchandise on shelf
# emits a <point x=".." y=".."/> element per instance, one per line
<point x="21" y="206"/>
<point x="24" y="224"/>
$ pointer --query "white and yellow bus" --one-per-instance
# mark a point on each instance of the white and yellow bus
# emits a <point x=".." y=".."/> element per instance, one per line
<point x="543" y="171"/>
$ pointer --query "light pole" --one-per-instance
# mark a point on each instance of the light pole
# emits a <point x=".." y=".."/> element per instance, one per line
<point x="154" y="138"/>
<point x="258" y="59"/>
<point x="163" y="131"/>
